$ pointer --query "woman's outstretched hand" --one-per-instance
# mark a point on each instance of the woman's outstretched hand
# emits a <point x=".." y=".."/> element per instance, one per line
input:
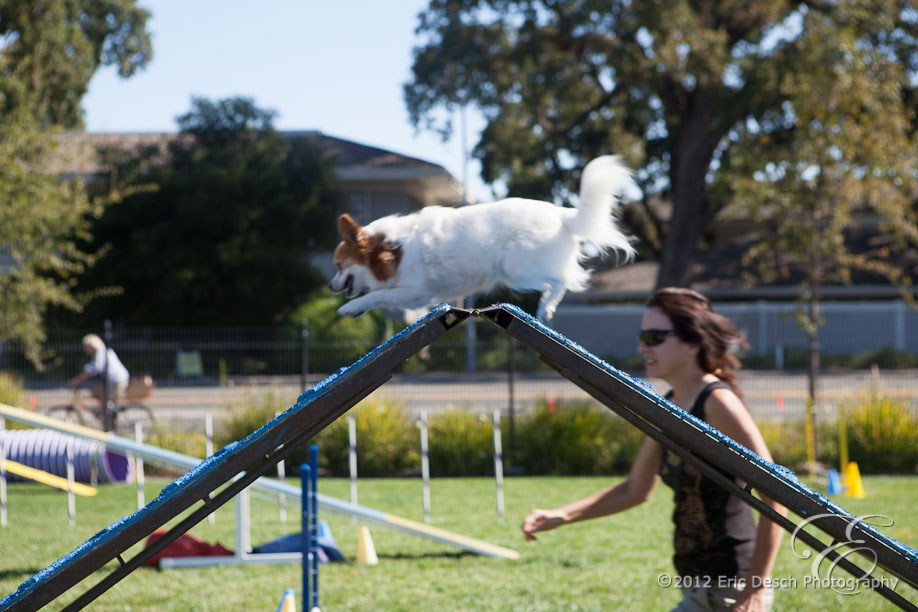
<point x="541" y="520"/>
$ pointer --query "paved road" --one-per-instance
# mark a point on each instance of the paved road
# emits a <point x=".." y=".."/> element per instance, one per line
<point x="770" y="395"/>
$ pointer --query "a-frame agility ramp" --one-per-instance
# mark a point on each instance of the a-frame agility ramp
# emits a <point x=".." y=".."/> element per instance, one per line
<point x="217" y="479"/>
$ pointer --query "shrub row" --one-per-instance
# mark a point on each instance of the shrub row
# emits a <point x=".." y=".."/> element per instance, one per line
<point x="575" y="438"/>
<point x="11" y="394"/>
<point x="881" y="435"/>
<point x="10" y="389"/>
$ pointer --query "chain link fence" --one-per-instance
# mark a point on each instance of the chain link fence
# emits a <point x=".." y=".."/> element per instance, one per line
<point x="199" y="370"/>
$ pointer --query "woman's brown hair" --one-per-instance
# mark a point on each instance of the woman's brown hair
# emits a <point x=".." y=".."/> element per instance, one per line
<point x="695" y="322"/>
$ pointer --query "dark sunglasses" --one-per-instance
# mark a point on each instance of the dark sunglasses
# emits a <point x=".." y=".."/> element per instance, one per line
<point x="654" y="337"/>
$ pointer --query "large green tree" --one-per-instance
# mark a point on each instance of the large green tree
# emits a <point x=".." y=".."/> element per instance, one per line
<point x="670" y="85"/>
<point x="222" y="231"/>
<point x="49" y="51"/>
<point x="834" y="194"/>
<point x="40" y="218"/>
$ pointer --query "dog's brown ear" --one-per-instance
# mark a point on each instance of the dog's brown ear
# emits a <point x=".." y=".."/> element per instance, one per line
<point x="348" y="228"/>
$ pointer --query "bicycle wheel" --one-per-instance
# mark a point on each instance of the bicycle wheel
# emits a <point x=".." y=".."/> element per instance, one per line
<point x="66" y="412"/>
<point x="128" y="414"/>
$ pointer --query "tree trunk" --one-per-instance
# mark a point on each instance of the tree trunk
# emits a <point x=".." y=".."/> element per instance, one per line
<point x="812" y="371"/>
<point x="698" y="138"/>
<point x="682" y="236"/>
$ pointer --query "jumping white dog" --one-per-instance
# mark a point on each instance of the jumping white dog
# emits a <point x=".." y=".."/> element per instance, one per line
<point x="440" y="254"/>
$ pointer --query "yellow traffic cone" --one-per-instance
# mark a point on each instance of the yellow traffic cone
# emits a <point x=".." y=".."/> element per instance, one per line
<point x="366" y="553"/>
<point x="288" y="603"/>
<point x="853" y="484"/>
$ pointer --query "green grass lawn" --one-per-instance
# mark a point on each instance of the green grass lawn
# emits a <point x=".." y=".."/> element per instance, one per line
<point x="609" y="564"/>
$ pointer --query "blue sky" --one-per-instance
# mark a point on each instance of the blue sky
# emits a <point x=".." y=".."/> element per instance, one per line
<point x="334" y="66"/>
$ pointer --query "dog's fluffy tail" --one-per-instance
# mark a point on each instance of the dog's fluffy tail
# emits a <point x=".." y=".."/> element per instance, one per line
<point x="601" y="184"/>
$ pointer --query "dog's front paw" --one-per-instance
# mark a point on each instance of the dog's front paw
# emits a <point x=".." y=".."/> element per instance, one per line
<point x="351" y="310"/>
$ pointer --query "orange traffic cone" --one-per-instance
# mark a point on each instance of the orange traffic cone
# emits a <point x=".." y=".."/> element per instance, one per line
<point x="366" y="553"/>
<point x="853" y="484"/>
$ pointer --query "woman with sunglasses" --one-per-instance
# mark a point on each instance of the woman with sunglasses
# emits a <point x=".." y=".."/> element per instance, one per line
<point x="722" y="559"/>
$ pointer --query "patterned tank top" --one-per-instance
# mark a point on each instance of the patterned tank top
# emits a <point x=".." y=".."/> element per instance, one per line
<point x="714" y="531"/>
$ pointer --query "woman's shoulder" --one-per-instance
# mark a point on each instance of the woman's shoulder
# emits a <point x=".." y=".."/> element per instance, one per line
<point x="723" y="404"/>
<point x="720" y="392"/>
<point x="710" y="389"/>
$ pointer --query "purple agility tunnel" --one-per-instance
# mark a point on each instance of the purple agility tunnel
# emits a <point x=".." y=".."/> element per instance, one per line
<point x="44" y="449"/>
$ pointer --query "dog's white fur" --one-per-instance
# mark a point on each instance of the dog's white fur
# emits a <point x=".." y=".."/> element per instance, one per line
<point x="441" y="254"/>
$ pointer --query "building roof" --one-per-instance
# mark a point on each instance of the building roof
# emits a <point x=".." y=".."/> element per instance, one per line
<point x="356" y="162"/>
<point x="350" y="154"/>
<point x="718" y="272"/>
<point x="82" y="154"/>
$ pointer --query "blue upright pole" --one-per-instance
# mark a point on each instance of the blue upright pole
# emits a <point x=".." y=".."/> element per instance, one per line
<point x="314" y="525"/>
<point x="305" y="480"/>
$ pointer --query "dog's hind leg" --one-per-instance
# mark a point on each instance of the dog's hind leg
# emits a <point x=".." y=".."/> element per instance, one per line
<point x="551" y="297"/>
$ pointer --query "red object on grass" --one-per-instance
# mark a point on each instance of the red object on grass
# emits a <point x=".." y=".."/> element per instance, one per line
<point x="185" y="546"/>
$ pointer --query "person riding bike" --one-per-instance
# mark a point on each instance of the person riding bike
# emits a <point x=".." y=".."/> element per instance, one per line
<point x="105" y="365"/>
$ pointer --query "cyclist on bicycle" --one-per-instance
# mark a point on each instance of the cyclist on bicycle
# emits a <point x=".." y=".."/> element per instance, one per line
<point x="102" y="361"/>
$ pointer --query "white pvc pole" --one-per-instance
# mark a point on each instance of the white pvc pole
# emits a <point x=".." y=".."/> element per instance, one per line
<point x="425" y="467"/>
<point x="3" y="522"/>
<point x="498" y="467"/>
<point x="139" y="477"/>
<point x="281" y="498"/>
<point x="243" y="526"/>
<point x="209" y="450"/>
<point x="209" y="434"/>
<point x="352" y="454"/>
